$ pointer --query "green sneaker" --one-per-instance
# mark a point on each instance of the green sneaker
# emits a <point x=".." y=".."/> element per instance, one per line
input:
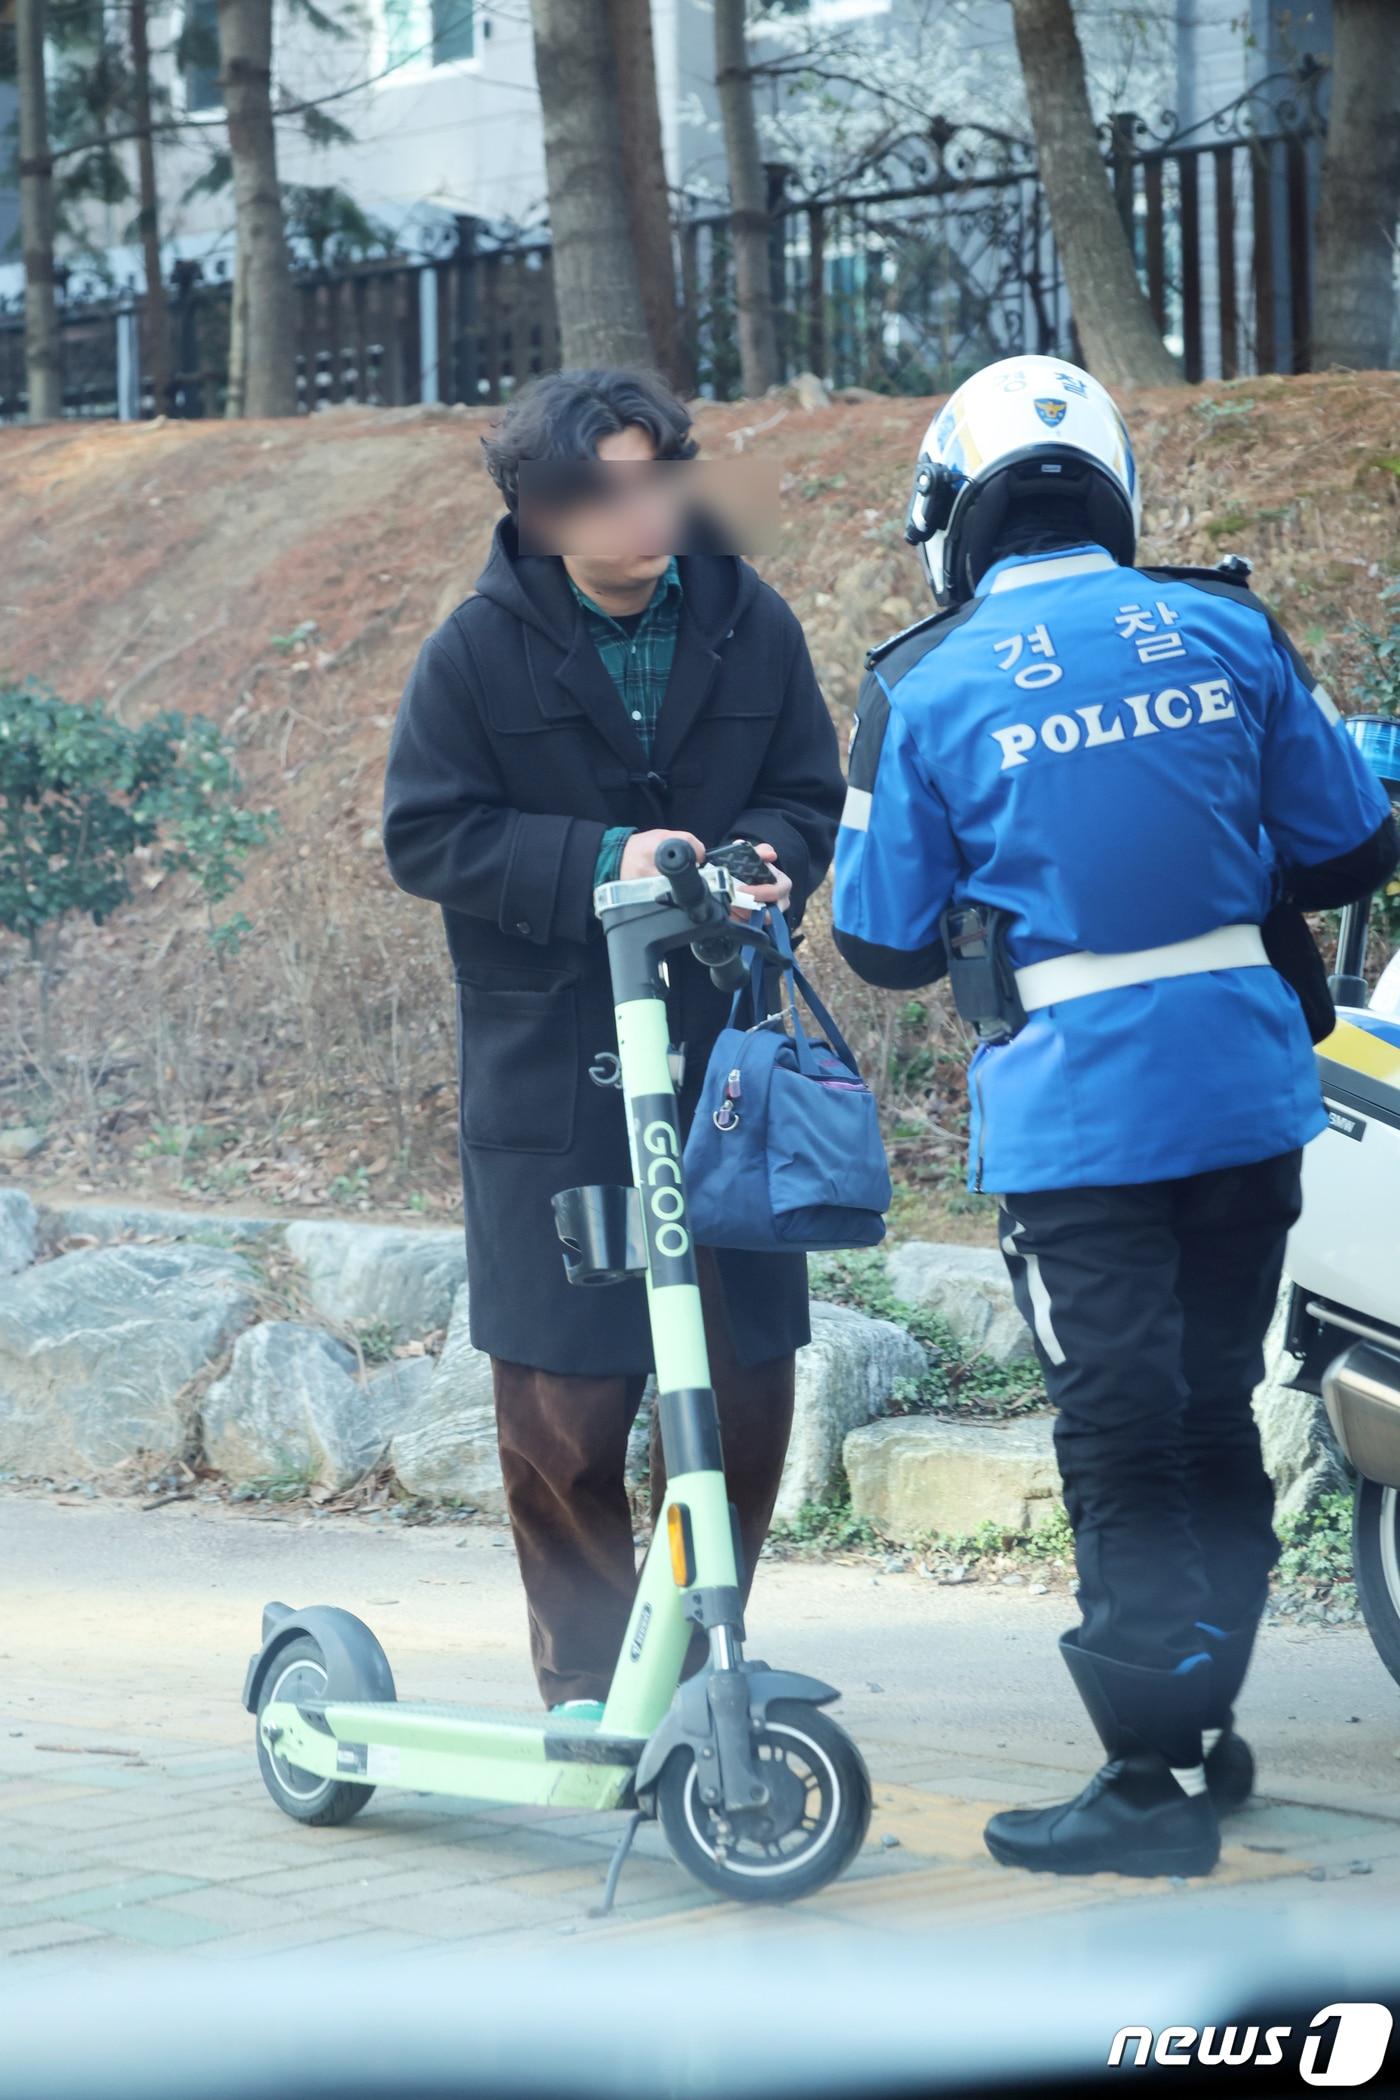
<point x="579" y="1709"/>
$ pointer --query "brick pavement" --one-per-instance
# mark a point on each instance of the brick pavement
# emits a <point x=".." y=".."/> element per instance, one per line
<point x="173" y="1845"/>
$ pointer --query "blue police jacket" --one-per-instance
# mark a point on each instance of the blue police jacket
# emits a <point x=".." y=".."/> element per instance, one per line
<point x="1119" y="759"/>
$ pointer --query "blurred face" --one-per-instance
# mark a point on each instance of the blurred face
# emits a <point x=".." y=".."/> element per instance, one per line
<point x="642" y="532"/>
<point x="617" y="533"/>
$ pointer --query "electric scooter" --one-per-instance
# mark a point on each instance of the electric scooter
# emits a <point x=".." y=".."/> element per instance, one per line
<point x="762" y="1796"/>
<point x="1343" y="1260"/>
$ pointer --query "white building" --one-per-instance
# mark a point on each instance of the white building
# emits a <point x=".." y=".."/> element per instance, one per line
<point x="440" y="102"/>
<point x="438" y="123"/>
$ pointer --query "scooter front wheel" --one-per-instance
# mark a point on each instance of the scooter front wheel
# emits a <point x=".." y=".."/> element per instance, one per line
<point x="298" y="1671"/>
<point x="1375" y="1545"/>
<point x="808" y="1833"/>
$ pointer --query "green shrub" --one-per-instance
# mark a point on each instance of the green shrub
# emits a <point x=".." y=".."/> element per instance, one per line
<point x="827" y="1527"/>
<point x="955" y="1380"/>
<point x="1317" y="1545"/>
<point x="81" y="793"/>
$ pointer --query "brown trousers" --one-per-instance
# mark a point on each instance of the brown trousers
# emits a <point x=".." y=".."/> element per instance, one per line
<point x="563" y="1455"/>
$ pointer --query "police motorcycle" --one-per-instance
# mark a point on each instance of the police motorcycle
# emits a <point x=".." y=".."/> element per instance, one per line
<point x="1343" y="1260"/>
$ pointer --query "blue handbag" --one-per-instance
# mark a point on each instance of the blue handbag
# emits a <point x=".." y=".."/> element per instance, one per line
<point x="785" y="1154"/>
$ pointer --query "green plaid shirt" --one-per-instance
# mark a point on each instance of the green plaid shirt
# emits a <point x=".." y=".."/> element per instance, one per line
<point x="639" y="665"/>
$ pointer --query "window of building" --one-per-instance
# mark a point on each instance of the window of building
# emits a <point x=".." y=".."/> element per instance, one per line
<point x="199" y="56"/>
<point x="400" y="31"/>
<point x="429" y="32"/>
<point x="453" y="30"/>
<point x="834" y="10"/>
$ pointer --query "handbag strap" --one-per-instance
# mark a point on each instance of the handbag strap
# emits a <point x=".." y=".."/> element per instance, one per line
<point x="777" y="931"/>
<point x="752" y="988"/>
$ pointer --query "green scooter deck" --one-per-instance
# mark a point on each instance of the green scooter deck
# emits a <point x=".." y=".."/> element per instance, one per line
<point x="482" y="1754"/>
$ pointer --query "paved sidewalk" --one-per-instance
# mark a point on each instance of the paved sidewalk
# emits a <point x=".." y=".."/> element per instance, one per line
<point x="133" y="1820"/>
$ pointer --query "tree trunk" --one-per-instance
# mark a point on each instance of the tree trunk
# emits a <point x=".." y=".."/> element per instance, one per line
<point x="237" y="390"/>
<point x="157" y="317"/>
<point x="261" y="260"/>
<point x="1121" y="344"/>
<point x="1360" y="198"/>
<point x="42" y="367"/>
<point x="644" y="176"/>
<point x="748" y="200"/>
<point x="596" y="285"/>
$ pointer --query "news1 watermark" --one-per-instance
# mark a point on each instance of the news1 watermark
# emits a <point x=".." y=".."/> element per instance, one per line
<point x="1341" y="2045"/>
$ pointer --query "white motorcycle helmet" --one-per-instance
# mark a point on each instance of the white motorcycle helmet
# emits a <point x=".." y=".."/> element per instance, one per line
<point x="1027" y="429"/>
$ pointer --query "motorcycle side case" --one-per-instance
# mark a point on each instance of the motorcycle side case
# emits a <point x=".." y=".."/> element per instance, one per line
<point x="1362" y="1391"/>
<point x="1343" y="1246"/>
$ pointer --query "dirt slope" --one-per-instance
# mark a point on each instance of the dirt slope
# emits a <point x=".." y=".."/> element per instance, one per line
<point x="172" y="565"/>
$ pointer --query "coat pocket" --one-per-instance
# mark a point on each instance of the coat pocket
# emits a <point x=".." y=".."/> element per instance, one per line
<point x="518" y="1059"/>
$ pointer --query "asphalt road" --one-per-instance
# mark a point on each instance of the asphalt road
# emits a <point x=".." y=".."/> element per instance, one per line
<point x="115" y="1618"/>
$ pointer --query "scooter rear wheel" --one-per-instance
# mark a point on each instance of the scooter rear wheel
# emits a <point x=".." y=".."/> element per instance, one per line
<point x="808" y="1835"/>
<point x="298" y="1671"/>
<point x="1375" y="1552"/>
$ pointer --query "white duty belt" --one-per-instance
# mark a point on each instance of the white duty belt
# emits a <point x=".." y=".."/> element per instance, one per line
<point x="1078" y="976"/>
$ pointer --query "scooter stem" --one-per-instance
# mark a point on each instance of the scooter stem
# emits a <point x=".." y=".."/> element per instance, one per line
<point x="641" y="928"/>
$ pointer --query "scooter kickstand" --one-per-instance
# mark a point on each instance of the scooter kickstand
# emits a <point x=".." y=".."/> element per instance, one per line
<point x="618" y="1862"/>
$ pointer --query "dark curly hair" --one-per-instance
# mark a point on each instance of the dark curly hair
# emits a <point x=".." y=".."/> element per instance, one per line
<point x="563" y="414"/>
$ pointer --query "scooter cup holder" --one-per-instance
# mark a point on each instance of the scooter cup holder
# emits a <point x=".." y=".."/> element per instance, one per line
<point x="600" y="1229"/>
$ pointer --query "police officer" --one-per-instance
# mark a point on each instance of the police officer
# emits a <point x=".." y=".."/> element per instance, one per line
<point x="1089" y="786"/>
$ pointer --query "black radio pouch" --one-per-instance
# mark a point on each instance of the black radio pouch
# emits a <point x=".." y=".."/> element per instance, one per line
<point x="980" y="972"/>
<point x="1290" y="947"/>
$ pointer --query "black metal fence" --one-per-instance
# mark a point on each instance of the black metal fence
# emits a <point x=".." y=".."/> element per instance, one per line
<point x="939" y="258"/>
<point x="909" y="284"/>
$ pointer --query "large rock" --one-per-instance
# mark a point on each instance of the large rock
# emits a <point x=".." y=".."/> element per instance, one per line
<point x="109" y="1223"/>
<point x="96" y="1348"/>
<point x="403" y="1276"/>
<point x="845" y="1377"/>
<point x="445" y="1448"/>
<point x="811" y="391"/>
<point x="919" y="1474"/>
<point x="969" y="1289"/>
<point x="19" y="1232"/>
<point x="1300" y="1452"/>
<point x="395" y="1391"/>
<point x="289" y="1408"/>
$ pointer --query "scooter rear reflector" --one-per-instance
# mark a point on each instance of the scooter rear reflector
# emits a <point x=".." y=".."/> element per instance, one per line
<point x="682" y="1545"/>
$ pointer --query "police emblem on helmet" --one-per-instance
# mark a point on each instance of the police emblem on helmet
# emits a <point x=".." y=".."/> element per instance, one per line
<point x="1051" y="411"/>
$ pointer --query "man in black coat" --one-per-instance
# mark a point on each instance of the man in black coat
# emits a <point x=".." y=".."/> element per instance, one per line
<point x="575" y="711"/>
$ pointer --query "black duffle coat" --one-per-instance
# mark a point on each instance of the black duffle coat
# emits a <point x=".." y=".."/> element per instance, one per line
<point x="511" y="755"/>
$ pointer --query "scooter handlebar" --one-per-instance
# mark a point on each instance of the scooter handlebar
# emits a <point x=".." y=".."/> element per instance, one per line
<point x="722" y="952"/>
<point x="675" y="859"/>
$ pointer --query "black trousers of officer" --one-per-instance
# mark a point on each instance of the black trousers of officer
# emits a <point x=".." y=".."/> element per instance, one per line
<point x="1149" y="1306"/>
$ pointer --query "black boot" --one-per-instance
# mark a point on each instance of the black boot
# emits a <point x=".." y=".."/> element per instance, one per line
<point x="1229" y="1770"/>
<point x="1229" y="1759"/>
<point x="1134" y="1816"/>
